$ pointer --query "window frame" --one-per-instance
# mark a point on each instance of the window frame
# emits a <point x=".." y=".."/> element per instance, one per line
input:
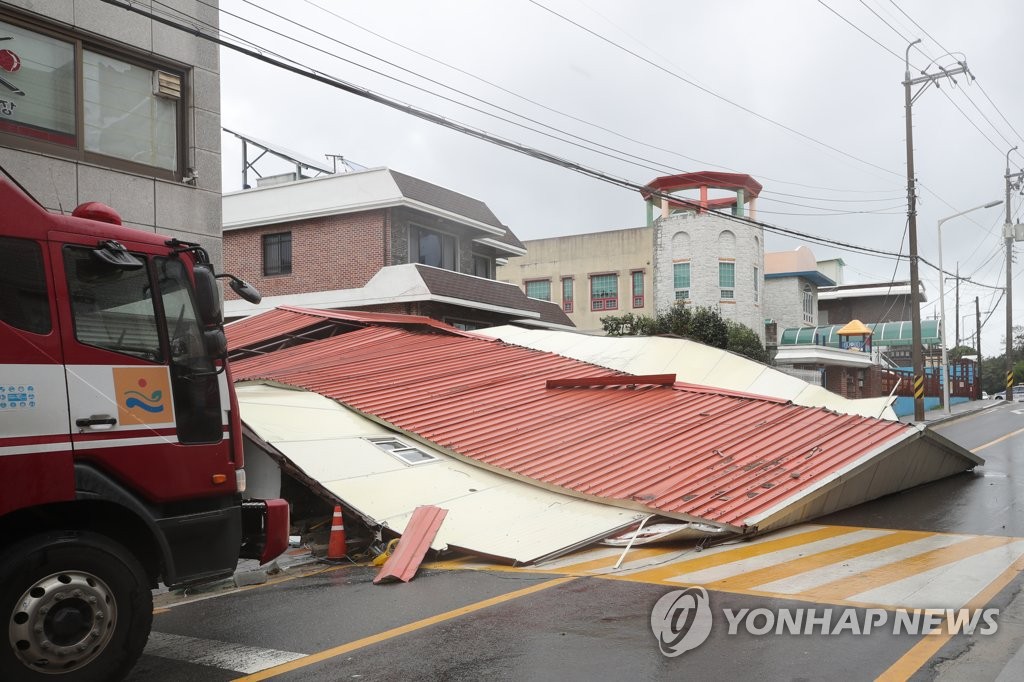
<point x="416" y="231"/>
<point x="77" y="152"/>
<point x="637" y="292"/>
<point x="683" y="290"/>
<point x="396" y="452"/>
<point x="602" y="303"/>
<point x="263" y="252"/>
<point x="727" y="285"/>
<point x="567" y="301"/>
<point x="537" y="280"/>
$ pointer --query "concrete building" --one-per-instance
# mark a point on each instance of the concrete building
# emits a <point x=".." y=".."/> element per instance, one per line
<point x="701" y="251"/>
<point x="792" y="280"/>
<point x="589" y="275"/>
<point x="101" y="104"/>
<point x="874" y="302"/>
<point x="375" y="240"/>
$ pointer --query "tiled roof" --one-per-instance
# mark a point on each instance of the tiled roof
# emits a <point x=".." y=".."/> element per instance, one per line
<point x="442" y="282"/>
<point x="683" y="451"/>
<point x="446" y="199"/>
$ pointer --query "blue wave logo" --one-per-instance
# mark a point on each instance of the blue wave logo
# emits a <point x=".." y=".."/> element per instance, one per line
<point x="150" y="403"/>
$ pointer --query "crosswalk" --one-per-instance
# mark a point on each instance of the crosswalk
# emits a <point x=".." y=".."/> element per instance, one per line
<point x="840" y="565"/>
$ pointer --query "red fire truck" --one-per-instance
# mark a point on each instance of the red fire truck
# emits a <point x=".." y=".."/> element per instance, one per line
<point x="120" y="439"/>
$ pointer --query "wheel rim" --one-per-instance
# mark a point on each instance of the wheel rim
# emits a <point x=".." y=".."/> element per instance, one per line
<point x="63" y="622"/>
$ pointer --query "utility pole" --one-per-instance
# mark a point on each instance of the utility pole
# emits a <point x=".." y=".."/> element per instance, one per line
<point x="957" y="305"/>
<point x="925" y="79"/>
<point x="1013" y="182"/>
<point x="977" y="337"/>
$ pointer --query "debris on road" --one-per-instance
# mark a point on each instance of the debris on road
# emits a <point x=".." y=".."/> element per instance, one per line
<point x="413" y="546"/>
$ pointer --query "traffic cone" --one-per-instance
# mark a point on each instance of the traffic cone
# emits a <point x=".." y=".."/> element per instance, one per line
<point x="336" y="548"/>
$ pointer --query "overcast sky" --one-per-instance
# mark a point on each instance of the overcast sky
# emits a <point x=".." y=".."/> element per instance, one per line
<point x="791" y="92"/>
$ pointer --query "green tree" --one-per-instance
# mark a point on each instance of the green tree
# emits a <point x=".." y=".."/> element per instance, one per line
<point x="704" y="325"/>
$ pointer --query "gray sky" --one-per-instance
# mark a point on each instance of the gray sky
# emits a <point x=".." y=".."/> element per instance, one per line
<point x="815" y="112"/>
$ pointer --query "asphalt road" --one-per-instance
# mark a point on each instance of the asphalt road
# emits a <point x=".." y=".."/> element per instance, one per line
<point x="474" y="622"/>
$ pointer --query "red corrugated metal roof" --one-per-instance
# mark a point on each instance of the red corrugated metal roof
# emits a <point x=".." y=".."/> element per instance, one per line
<point x="680" y="450"/>
<point x="412" y="547"/>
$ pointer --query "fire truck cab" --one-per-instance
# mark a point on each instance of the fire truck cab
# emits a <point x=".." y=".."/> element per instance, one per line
<point x="120" y="439"/>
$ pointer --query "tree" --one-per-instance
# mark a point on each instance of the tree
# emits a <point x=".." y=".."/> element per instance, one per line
<point x="959" y="352"/>
<point x="704" y="325"/>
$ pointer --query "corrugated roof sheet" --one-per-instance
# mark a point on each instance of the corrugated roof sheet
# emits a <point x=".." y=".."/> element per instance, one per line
<point x="683" y="451"/>
<point x="413" y="545"/>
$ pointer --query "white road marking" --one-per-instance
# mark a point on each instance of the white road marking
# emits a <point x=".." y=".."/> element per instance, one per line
<point x="950" y="586"/>
<point x="224" y="655"/>
<point x="851" y="567"/>
<point x="735" y="568"/>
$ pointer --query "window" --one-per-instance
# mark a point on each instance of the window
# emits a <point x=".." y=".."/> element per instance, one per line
<point x="125" y="110"/>
<point x="433" y="248"/>
<point x="24" y="303"/>
<point x="727" y="279"/>
<point x="406" y="453"/>
<point x="604" y="292"/>
<point x="123" y="116"/>
<point x="638" y="288"/>
<point x="681" y="280"/>
<point x="808" y="300"/>
<point x="481" y="266"/>
<point x="112" y="307"/>
<point x="757" y="284"/>
<point x="539" y="288"/>
<point x="567" y="294"/>
<point x="277" y="254"/>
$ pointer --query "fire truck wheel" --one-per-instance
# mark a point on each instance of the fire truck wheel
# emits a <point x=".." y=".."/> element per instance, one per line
<point x="78" y="608"/>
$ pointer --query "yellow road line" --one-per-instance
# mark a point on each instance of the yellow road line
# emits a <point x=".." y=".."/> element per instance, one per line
<point x="929" y="645"/>
<point x="711" y="560"/>
<point x="998" y="440"/>
<point x="401" y="630"/>
<point x="788" y="569"/>
<point x="846" y="587"/>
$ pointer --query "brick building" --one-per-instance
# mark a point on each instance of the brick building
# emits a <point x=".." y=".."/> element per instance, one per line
<point x="336" y="241"/>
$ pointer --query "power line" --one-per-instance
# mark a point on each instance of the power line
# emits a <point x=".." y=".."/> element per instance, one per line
<point x="712" y="92"/>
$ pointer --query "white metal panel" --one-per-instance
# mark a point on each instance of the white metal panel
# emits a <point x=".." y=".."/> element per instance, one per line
<point x="487" y="513"/>
<point x="691" y="362"/>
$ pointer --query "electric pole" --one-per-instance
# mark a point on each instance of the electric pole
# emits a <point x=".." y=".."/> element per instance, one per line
<point x="1013" y="182"/>
<point x="977" y="340"/>
<point x="925" y="79"/>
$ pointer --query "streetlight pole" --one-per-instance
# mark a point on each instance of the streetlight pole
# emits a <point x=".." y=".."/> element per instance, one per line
<point x="925" y="79"/>
<point x="942" y="302"/>
<point x="1012" y="182"/>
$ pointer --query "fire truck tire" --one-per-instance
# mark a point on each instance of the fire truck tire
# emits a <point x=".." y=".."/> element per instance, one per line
<point x="77" y="606"/>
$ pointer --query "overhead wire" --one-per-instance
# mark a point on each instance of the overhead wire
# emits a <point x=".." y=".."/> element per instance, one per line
<point x="365" y="93"/>
<point x="610" y="152"/>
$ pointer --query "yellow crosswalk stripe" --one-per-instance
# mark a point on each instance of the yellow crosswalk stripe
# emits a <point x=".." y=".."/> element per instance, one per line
<point x="905" y="568"/>
<point x="756" y="548"/>
<point x="751" y="579"/>
<point x="609" y="561"/>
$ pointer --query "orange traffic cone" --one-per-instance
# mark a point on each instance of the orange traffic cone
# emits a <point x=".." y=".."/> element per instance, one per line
<point x="336" y="548"/>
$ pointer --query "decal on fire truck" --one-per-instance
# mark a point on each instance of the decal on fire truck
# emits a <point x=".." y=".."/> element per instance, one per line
<point x="17" y="397"/>
<point x="143" y="395"/>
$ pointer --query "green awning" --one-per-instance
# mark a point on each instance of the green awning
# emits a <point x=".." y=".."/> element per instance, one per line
<point x="883" y="334"/>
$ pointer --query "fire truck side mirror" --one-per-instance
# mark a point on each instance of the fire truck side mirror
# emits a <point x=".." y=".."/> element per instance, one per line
<point x="245" y="290"/>
<point x="216" y="342"/>
<point x="208" y="296"/>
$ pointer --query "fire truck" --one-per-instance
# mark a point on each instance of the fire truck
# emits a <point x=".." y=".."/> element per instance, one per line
<point x="120" y="439"/>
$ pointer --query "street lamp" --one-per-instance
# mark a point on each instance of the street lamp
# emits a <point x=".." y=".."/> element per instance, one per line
<point x="942" y="302"/>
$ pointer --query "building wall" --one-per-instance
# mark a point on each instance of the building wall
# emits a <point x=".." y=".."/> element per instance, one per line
<point x="618" y="252"/>
<point x="869" y="309"/>
<point x="784" y="302"/>
<point x="332" y="252"/>
<point x="167" y="206"/>
<point x="704" y="240"/>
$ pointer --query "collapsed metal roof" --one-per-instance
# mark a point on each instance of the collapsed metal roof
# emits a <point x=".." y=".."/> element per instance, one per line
<point x="733" y="460"/>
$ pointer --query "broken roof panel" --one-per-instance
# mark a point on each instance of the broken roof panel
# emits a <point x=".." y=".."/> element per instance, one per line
<point x="692" y="453"/>
<point x="489" y="514"/>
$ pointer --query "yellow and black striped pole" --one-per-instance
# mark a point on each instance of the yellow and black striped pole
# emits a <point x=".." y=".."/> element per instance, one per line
<point x="918" y="388"/>
<point x="1009" y="385"/>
